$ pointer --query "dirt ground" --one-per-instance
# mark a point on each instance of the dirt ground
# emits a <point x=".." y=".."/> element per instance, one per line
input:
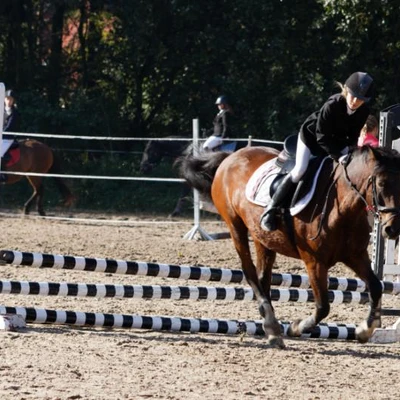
<point x="62" y="362"/>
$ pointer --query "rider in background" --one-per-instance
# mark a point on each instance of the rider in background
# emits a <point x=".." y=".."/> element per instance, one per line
<point x="330" y="131"/>
<point x="11" y="114"/>
<point x="10" y="124"/>
<point x="221" y="124"/>
<point x="369" y="133"/>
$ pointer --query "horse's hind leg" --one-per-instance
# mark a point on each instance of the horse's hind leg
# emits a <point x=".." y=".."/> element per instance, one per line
<point x="30" y="201"/>
<point x="39" y="200"/>
<point x="37" y="196"/>
<point x="259" y="279"/>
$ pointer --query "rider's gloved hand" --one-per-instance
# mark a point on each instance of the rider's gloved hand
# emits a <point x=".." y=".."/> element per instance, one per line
<point x="335" y="157"/>
<point x="344" y="160"/>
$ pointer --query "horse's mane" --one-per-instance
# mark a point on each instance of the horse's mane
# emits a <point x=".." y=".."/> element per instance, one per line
<point x="387" y="159"/>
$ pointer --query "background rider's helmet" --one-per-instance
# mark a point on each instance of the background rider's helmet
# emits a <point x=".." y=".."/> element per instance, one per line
<point x="10" y="93"/>
<point x="360" y="85"/>
<point x="222" y="100"/>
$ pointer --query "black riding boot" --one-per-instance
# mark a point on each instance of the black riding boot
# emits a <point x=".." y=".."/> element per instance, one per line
<point x="268" y="219"/>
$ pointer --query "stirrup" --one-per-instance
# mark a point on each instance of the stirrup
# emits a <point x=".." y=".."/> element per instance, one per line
<point x="268" y="220"/>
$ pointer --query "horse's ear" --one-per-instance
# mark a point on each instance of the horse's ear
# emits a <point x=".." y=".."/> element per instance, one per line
<point x="388" y="157"/>
<point x="378" y="152"/>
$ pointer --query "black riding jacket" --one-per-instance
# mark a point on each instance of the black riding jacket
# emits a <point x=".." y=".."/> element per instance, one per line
<point x="222" y="124"/>
<point x="332" y="128"/>
<point x="11" y="122"/>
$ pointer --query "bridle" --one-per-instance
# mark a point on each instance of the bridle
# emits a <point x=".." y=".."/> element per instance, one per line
<point x="376" y="209"/>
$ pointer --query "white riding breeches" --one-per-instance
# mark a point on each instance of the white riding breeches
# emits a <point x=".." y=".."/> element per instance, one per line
<point x="303" y="155"/>
<point x="5" y="145"/>
<point x="212" y="142"/>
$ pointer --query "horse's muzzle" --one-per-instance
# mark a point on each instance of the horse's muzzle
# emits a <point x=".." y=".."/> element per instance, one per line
<point x="390" y="232"/>
<point x="390" y="225"/>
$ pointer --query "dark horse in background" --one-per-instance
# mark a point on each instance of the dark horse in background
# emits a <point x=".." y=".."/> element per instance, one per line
<point x="173" y="148"/>
<point x="33" y="156"/>
<point x="332" y="228"/>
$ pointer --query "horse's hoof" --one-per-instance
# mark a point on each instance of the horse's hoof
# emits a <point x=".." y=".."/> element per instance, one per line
<point x="294" y="329"/>
<point x="362" y="335"/>
<point x="363" y="332"/>
<point x="276" y="342"/>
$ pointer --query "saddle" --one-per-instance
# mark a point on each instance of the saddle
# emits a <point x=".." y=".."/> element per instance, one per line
<point x="286" y="161"/>
<point x="229" y="147"/>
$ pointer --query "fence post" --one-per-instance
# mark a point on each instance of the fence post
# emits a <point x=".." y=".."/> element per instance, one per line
<point x="196" y="199"/>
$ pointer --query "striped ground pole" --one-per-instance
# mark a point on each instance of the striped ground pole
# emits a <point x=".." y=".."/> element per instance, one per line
<point x="41" y="260"/>
<point x="171" y="292"/>
<point x="167" y="323"/>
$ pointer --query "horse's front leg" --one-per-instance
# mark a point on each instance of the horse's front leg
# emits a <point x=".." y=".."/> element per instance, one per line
<point x="318" y="277"/>
<point x="361" y="265"/>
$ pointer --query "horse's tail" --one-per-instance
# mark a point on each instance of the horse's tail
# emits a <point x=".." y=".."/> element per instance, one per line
<point x="68" y="198"/>
<point x="199" y="171"/>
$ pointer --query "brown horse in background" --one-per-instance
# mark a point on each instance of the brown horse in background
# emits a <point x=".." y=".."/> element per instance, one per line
<point x="37" y="157"/>
<point x="332" y="228"/>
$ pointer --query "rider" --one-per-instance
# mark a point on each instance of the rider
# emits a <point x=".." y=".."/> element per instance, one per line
<point x="221" y="124"/>
<point x="332" y="130"/>
<point x="11" y="114"/>
<point x="10" y="124"/>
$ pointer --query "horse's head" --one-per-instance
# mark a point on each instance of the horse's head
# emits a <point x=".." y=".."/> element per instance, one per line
<point x="152" y="155"/>
<point x="383" y="187"/>
<point x="155" y="150"/>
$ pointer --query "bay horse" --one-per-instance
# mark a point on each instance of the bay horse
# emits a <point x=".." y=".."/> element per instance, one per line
<point x="36" y="157"/>
<point x="332" y="228"/>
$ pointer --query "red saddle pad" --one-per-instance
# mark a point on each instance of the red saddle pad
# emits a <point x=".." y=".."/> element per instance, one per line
<point x="14" y="155"/>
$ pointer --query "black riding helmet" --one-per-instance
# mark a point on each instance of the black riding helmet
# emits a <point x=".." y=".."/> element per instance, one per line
<point x="222" y="100"/>
<point x="360" y="85"/>
<point x="10" y="93"/>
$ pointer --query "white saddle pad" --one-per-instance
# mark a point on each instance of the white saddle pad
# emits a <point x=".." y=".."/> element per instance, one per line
<point x="258" y="186"/>
<point x="5" y="145"/>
